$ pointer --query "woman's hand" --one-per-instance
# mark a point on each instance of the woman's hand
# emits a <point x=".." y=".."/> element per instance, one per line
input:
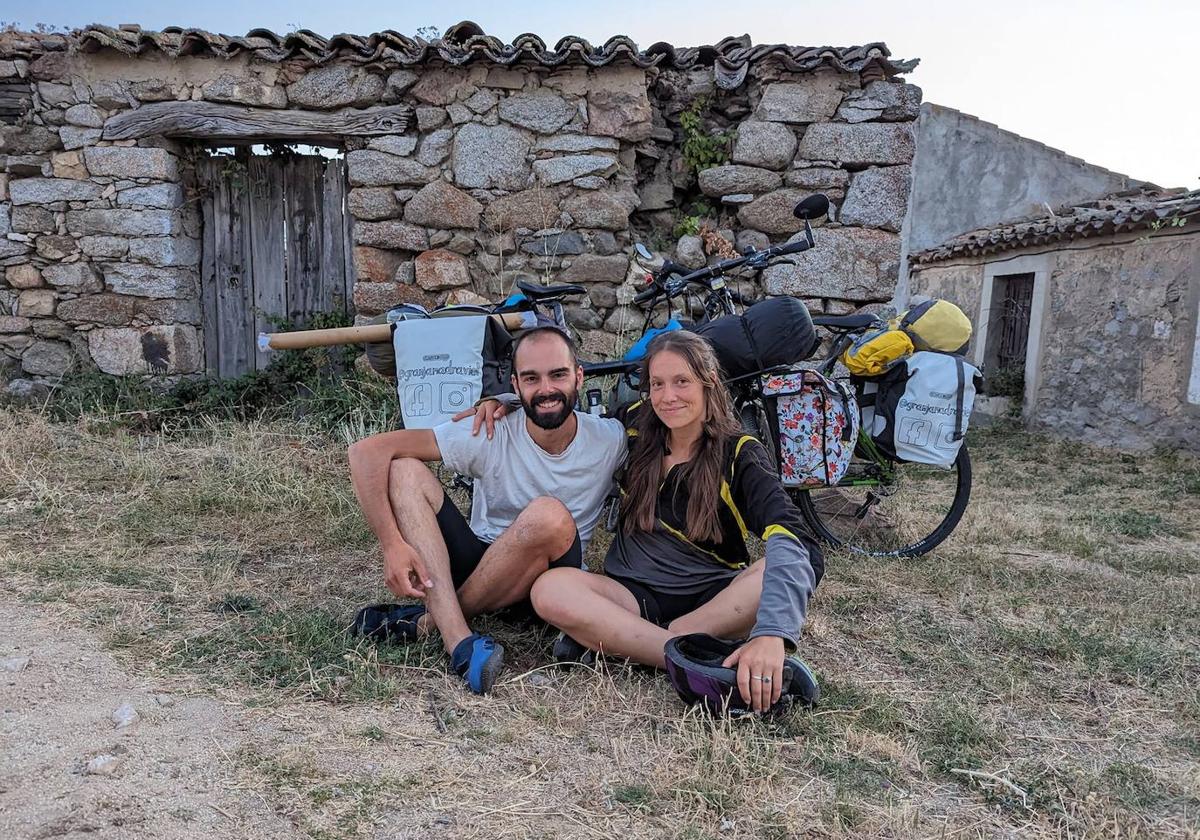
<point x="759" y="671"/>
<point x="487" y="411"/>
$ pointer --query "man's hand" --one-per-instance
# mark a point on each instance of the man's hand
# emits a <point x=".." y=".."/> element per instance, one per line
<point x="759" y="671"/>
<point x="487" y="411"/>
<point x="404" y="572"/>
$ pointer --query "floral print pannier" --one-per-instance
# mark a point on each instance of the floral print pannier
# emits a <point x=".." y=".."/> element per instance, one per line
<point x="817" y="425"/>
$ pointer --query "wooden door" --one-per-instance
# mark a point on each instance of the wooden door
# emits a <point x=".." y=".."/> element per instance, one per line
<point x="275" y="248"/>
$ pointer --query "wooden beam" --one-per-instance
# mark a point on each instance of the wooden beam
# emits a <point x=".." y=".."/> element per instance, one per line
<point x="364" y="334"/>
<point x="236" y="123"/>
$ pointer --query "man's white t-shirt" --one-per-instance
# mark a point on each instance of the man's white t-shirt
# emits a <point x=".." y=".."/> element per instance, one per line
<point x="510" y="470"/>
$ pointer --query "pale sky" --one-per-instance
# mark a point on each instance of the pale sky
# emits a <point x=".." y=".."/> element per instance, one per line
<point x="1112" y="82"/>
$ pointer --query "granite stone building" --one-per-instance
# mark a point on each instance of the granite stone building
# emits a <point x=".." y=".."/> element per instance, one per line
<point x="1085" y="318"/>
<point x="166" y="195"/>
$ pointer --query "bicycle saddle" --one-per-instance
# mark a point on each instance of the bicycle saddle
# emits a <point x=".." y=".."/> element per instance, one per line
<point x="536" y="292"/>
<point x="846" y="322"/>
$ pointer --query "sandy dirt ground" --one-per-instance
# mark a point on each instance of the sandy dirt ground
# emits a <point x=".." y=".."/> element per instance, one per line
<point x="172" y="776"/>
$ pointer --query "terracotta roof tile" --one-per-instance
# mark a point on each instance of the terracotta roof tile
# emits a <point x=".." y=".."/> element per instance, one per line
<point x="462" y="44"/>
<point x="1143" y="209"/>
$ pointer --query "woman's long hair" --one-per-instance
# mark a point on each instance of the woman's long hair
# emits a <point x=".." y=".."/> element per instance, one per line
<point x="702" y="474"/>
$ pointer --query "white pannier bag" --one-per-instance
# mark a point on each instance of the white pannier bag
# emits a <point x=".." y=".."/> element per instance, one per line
<point x="919" y="410"/>
<point x="439" y="367"/>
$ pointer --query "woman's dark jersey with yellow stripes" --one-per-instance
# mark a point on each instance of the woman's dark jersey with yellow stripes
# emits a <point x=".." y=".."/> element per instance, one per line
<point x="752" y="503"/>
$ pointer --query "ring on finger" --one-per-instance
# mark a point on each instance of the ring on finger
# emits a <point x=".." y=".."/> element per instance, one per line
<point x="760" y="678"/>
<point x="766" y="680"/>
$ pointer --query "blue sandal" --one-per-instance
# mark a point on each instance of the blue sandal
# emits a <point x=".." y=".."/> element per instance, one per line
<point x="478" y="659"/>
<point x="388" y="622"/>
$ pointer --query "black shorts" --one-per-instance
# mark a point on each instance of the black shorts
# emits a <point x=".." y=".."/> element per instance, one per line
<point x="466" y="549"/>
<point x="662" y="608"/>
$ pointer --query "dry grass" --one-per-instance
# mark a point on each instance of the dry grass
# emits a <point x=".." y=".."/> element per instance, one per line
<point x="1037" y="676"/>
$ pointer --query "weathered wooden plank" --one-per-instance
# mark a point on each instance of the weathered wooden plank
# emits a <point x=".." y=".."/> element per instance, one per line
<point x="207" y="178"/>
<point x="303" y="185"/>
<point x="334" y="297"/>
<point x="267" y="264"/>
<point x="210" y="121"/>
<point x="234" y="293"/>
<point x="347" y="238"/>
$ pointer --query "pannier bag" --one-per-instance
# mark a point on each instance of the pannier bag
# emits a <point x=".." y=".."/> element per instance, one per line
<point x="936" y="325"/>
<point x="381" y="354"/>
<point x="773" y="332"/>
<point x="817" y="424"/>
<point x="876" y="351"/>
<point x="496" y="367"/>
<point x="439" y="367"/>
<point x="919" y="410"/>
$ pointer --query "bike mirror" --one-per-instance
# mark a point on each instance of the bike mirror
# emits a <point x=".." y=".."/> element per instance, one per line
<point x="813" y="207"/>
<point x="643" y="252"/>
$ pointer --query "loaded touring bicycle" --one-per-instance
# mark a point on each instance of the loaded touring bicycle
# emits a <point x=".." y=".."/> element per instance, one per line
<point x="873" y="454"/>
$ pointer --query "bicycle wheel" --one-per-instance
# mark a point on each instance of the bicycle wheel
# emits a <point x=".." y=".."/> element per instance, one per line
<point x="892" y="510"/>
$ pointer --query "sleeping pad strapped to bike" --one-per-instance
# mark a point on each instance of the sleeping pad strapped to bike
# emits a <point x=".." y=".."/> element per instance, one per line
<point x="772" y="333"/>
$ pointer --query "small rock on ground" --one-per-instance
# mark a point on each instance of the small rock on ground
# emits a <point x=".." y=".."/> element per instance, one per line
<point x="14" y="663"/>
<point x="125" y="716"/>
<point x="103" y="765"/>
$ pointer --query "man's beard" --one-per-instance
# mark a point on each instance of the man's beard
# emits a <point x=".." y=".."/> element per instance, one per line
<point x="551" y="421"/>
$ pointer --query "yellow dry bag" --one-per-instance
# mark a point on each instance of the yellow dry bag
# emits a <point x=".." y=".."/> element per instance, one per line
<point x="935" y="325"/>
<point x="876" y="351"/>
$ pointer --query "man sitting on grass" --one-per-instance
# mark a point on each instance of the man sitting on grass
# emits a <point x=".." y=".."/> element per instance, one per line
<point x="540" y="482"/>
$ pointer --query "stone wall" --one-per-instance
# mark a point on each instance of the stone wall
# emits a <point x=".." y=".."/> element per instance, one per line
<point x="524" y="170"/>
<point x="1118" y="338"/>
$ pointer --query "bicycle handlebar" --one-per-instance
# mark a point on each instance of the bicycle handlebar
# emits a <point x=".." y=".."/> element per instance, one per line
<point x="649" y="294"/>
<point x="672" y="279"/>
<point x="794" y="247"/>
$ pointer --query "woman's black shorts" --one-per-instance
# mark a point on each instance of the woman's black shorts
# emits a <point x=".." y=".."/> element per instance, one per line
<point x="662" y="608"/>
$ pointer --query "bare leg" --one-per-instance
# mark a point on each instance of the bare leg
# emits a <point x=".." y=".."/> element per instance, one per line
<point x="416" y="497"/>
<point x="731" y="613"/>
<point x="600" y="613"/>
<point x="542" y="533"/>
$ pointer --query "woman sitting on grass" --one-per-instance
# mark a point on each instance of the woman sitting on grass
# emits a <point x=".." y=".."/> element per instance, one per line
<point x="693" y="487"/>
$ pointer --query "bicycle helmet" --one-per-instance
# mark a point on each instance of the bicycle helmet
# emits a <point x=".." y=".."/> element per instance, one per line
<point x="695" y="670"/>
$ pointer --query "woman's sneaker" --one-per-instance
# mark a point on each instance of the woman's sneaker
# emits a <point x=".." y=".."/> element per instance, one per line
<point x="568" y="651"/>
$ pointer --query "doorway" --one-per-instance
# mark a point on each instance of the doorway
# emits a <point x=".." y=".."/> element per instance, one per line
<point x="275" y="247"/>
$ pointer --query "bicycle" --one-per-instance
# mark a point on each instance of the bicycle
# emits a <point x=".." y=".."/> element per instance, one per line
<point x="880" y="507"/>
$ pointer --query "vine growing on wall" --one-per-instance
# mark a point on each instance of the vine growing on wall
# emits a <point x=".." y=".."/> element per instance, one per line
<point x="702" y="149"/>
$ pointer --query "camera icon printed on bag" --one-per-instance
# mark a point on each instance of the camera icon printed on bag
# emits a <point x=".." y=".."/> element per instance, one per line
<point x="945" y="439"/>
<point x="455" y="396"/>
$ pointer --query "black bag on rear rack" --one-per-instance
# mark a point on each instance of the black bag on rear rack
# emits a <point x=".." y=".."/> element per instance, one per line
<point x="771" y="333"/>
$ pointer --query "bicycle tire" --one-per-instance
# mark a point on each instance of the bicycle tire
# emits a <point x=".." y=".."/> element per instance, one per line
<point x="880" y="539"/>
<point x="754" y="422"/>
